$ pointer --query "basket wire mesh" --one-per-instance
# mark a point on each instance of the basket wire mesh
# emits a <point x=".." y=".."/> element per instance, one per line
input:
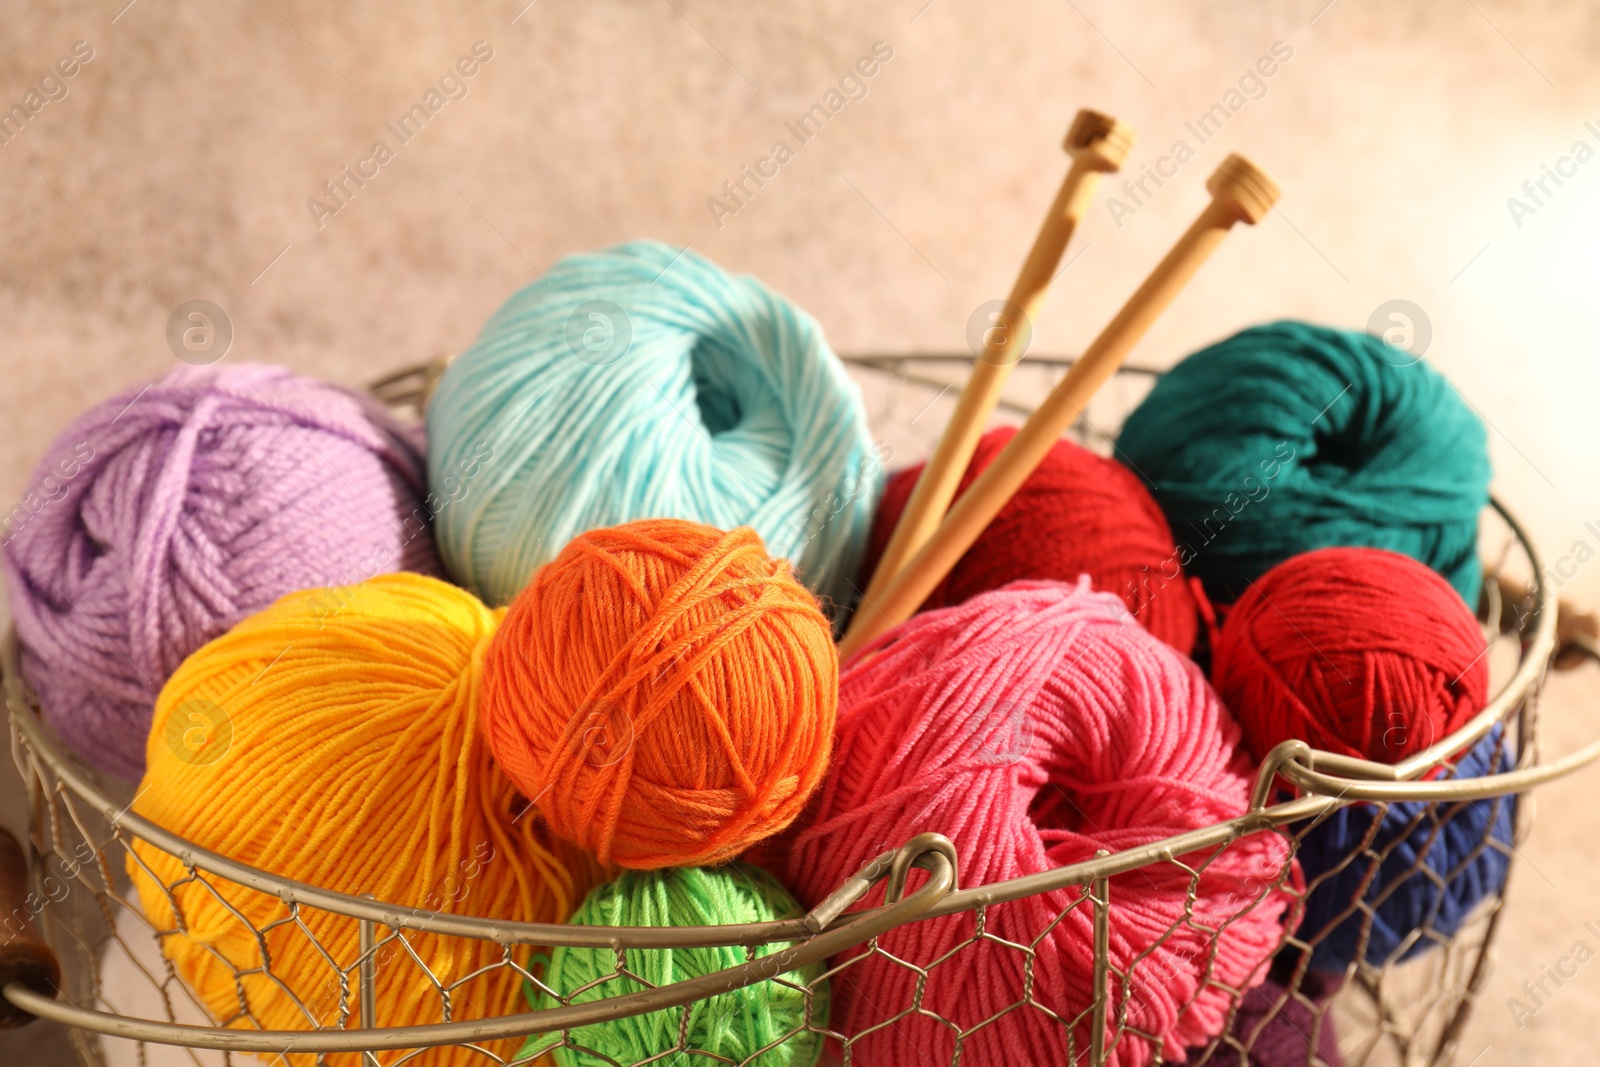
<point x="126" y="1004"/>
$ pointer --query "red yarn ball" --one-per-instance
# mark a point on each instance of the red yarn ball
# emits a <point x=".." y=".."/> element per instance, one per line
<point x="1078" y="513"/>
<point x="1359" y="651"/>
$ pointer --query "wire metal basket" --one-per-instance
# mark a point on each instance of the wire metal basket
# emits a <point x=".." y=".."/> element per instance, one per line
<point x="78" y="950"/>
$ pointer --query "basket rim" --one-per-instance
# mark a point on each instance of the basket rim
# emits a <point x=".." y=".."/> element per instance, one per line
<point x="931" y="852"/>
<point x="1327" y="780"/>
<point x="826" y="931"/>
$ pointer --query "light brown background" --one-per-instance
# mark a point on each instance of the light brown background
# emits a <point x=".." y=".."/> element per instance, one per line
<point x="180" y="163"/>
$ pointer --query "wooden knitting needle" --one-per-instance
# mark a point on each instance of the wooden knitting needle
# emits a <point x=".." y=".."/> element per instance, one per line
<point x="1097" y="144"/>
<point x="1239" y="193"/>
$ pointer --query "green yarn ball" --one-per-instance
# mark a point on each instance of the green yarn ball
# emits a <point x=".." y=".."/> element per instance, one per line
<point x="734" y="1025"/>
<point x="1289" y="437"/>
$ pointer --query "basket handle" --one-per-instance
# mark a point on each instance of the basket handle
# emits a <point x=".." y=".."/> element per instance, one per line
<point x="1577" y="628"/>
<point x="24" y="956"/>
<point x="1577" y="636"/>
<point x="1295" y="762"/>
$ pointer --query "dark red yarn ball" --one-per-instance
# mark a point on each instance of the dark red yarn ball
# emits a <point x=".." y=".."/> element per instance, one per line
<point x="1359" y="651"/>
<point x="1078" y="513"/>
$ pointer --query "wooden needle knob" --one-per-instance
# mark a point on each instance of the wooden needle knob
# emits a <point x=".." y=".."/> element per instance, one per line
<point x="1098" y="140"/>
<point x="1240" y="184"/>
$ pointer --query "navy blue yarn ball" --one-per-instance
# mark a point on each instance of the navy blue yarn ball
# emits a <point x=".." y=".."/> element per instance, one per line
<point x="1453" y="840"/>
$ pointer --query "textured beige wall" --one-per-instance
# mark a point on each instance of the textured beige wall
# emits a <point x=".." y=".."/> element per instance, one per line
<point x="179" y="164"/>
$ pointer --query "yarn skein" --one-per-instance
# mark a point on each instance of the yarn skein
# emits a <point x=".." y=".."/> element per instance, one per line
<point x="1033" y="726"/>
<point x="1389" y="882"/>
<point x="737" y="1026"/>
<point x="646" y="382"/>
<point x="1289" y="437"/>
<point x="171" y="512"/>
<point x="343" y="750"/>
<point x="1078" y="513"/>
<point x="665" y="693"/>
<point x="1356" y="651"/>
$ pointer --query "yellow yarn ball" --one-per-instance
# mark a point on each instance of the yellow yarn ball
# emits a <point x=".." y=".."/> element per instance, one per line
<point x="334" y="739"/>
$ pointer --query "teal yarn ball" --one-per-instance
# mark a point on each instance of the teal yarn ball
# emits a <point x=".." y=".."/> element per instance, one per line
<point x="1289" y="437"/>
<point x="790" y="1009"/>
<point x="646" y="382"/>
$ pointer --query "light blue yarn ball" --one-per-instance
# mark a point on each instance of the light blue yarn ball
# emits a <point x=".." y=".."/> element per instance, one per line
<point x="646" y="382"/>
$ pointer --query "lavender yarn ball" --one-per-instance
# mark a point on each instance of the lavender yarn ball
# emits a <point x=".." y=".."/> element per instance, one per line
<point x="160" y="518"/>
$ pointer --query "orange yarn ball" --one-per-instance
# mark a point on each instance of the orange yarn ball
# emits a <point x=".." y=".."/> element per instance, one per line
<point x="665" y="692"/>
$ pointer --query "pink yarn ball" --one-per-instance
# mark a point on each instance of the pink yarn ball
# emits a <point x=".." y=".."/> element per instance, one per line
<point x="160" y="518"/>
<point x="1034" y="725"/>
